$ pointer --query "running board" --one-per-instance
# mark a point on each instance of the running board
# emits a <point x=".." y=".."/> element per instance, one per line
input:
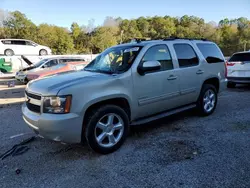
<point x="162" y="115"/>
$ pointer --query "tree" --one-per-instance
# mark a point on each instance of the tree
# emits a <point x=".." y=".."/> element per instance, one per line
<point x="19" y="26"/>
<point x="75" y="30"/>
<point x="230" y="34"/>
<point x="57" y="38"/>
<point x="104" y="37"/>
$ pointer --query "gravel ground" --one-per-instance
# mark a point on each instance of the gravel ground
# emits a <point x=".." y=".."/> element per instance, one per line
<point x="183" y="150"/>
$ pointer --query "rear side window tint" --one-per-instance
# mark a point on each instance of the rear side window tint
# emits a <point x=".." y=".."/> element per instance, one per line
<point x="211" y="53"/>
<point x="186" y="55"/>
<point x="240" y="57"/>
<point x="18" y="42"/>
<point x="6" y="42"/>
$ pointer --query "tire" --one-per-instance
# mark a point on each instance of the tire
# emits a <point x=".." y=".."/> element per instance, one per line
<point x="231" y="85"/>
<point x="43" y="52"/>
<point x="206" y="97"/>
<point x="3" y="71"/>
<point x="93" y="132"/>
<point x="9" y="52"/>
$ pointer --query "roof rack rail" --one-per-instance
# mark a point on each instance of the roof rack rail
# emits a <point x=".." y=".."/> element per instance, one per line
<point x="138" y="40"/>
<point x="176" y="38"/>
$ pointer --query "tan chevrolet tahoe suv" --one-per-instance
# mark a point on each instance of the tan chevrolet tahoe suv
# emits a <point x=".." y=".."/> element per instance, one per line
<point x="126" y="85"/>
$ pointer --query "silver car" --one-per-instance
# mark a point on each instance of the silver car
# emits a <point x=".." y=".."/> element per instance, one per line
<point x="21" y="75"/>
<point x="126" y="85"/>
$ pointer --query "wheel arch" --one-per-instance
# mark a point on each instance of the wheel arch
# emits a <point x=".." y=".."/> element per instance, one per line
<point x="213" y="81"/>
<point x="120" y="101"/>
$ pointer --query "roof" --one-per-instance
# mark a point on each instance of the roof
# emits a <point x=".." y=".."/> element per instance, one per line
<point x="243" y="52"/>
<point x="138" y="42"/>
<point x="63" y="57"/>
<point x="15" y="39"/>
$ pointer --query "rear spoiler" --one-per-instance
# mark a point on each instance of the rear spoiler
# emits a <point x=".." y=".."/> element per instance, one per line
<point x="26" y="60"/>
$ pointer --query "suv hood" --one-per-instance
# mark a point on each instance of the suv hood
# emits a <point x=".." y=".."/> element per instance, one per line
<point x="51" y="85"/>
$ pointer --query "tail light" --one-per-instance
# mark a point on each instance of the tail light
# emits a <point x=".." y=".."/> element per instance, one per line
<point x="226" y="68"/>
<point x="233" y="63"/>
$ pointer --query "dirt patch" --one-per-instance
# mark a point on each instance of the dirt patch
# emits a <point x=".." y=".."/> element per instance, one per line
<point x="178" y="150"/>
<point x="240" y="126"/>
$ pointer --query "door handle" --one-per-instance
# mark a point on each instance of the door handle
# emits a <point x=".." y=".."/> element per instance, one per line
<point x="172" y="77"/>
<point x="200" y="72"/>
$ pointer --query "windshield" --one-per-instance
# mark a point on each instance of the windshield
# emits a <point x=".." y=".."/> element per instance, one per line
<point x="240" y="57"/>
<point x="38" y="64"/>
<point x="114" y="60"/>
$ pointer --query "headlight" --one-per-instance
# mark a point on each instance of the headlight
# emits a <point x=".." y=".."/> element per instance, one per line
<point x="57" y="105"/>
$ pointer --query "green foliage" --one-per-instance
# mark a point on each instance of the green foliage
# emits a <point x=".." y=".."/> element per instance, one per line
<point x="231" y="35"/>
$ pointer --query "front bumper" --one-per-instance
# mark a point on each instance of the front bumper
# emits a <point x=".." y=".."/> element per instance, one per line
<point x="58" y="127"/>
<point x="239" y="80"/>
<point x="21" y="78"/>
<point x="223" y="85"/>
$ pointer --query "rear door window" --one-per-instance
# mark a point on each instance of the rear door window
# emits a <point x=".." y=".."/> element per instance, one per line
<point x="186" y="55"/>
<point x="211" y="53"/>
<point x="243" y="57"/>
<point x="18" y="42"/>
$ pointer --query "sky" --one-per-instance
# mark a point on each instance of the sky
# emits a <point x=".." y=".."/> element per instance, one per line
<point x="64" y="12"/>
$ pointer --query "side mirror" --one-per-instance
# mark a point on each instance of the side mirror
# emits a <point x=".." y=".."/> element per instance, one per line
<point x="44" y="66"/>
<point x="149" y="66"/>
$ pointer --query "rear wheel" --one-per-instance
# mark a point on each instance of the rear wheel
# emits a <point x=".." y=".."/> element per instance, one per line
<point x="107" y="128"/>
<point x="3" y="70"/>
<point x="9" y="52"/>
<point x="231" y="85"/>
<point x="207" y="101"/>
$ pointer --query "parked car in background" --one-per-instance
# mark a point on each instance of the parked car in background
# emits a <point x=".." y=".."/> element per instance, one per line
<point x="60" y="68"/>
<point x="238" y="69"/>
<point x="21" y="75"/>
<point x="10" y="47"/>
<point x="126" y="85"/>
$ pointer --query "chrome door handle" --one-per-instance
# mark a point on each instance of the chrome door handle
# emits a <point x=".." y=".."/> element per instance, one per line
<point x="172" y="77"/>
<point x="200" y="72"/>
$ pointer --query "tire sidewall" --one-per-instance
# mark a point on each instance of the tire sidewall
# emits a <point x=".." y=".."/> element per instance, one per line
<point x="200" y="105"/>
<point x="12" y="52"/>
<point x="43" y="54"/>
<point x="231" y="85"/>
<point x="93" y="120"/>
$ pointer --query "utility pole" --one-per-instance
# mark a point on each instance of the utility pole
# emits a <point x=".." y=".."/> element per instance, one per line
<point x="121" y="36"/>
<point x="245" y="46"/>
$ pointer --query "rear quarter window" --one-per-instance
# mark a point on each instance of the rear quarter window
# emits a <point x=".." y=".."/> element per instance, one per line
<point x="6" y="41"/>
<point x="211" y="53"/>
<point x="240" y="57"/>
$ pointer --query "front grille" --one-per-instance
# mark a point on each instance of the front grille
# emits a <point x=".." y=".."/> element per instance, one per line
<point x="37" y="97"/>
<point x="33" y="108"/>
<point x="31" y="102"/>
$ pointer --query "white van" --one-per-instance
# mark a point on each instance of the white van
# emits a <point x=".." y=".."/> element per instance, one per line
<point x="10" y="47"/>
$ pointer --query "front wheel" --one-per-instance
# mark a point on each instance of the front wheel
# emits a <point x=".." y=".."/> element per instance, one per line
<point x="207" y="101"/>
<point x="43" y="52"/>
<point x="107" y="128"/>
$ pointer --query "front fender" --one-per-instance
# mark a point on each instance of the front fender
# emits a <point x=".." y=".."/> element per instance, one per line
<point x="104" y="98"/>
